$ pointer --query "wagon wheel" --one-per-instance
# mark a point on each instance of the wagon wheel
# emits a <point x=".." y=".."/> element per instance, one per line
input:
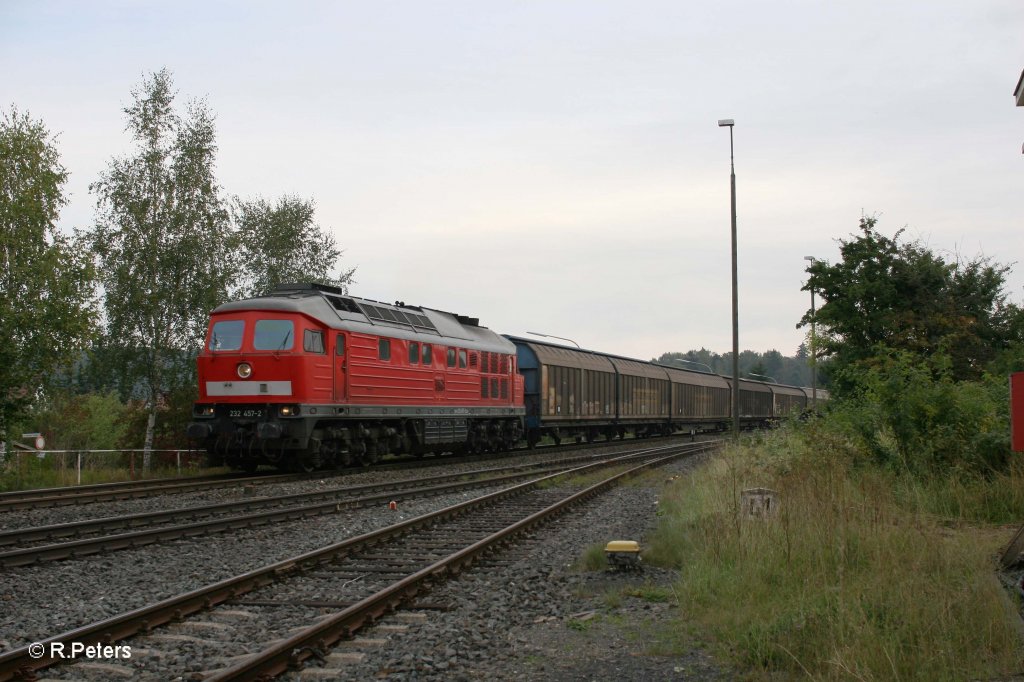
<point x="244" y="464"/>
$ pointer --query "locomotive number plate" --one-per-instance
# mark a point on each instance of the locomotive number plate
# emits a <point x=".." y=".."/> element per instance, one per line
<point x="251" y="413"/>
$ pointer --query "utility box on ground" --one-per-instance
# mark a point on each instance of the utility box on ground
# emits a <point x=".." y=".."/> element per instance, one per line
<point x="759" y="503"/>
<point x="1017" y="411"/>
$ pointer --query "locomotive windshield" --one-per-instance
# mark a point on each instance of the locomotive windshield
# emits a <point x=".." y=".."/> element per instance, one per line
<point x="227" y="335"/>
<point x="273" y="335"/>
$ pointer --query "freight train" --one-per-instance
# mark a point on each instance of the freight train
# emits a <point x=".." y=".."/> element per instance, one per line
<point x="309" y="377"/>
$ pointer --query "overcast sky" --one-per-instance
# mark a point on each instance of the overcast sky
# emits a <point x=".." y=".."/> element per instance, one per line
<point x="557" y="166"/>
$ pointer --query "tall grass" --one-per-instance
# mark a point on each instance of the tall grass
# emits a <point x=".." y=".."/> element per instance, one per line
<point x="859" y="575"/>
<point x="996" y="498"/>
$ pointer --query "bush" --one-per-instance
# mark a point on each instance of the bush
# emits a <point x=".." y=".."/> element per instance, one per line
<point x="93" y="421"/>
<point x="908" y="415"/>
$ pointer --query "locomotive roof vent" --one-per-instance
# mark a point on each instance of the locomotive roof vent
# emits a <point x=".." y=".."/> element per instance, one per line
<point x="381" y="313"/>
<point x="344" y="304"/>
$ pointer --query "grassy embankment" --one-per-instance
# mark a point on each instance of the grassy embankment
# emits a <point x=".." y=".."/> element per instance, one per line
<point x="862" y="574"/>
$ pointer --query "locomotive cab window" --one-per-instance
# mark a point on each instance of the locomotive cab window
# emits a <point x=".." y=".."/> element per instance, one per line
<point x="384" y="349"/>
<point x="414" y="352"/>
<point x="462" y="359"/>
<point x="428" y="354"/>
<point x="273" y="335"/>
<point x="313" y="341"/>
<point x="339" y="348"/>
<point x="226" y="335"/>
<point x="451" y="357"/>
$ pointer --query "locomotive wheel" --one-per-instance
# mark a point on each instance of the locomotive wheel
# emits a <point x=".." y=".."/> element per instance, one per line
<point x="304" y="463"/>
<point x="371" y="455"/>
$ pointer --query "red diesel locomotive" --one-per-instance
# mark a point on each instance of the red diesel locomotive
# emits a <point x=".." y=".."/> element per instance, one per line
<point x="309" y="377"/>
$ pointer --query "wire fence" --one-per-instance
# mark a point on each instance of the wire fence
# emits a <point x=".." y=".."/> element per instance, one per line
<point x="39" y="468"/>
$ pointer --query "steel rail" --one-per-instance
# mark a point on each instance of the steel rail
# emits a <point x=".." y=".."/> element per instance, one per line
<point x="108" y="492"/>
<point x="74" y="549"/>
<point x="89" y="487"/>
<point x="75" y="529"/>
<point x="125" y="490"/>
<point x="18" y="664"/>
<point x="290" y="653"/>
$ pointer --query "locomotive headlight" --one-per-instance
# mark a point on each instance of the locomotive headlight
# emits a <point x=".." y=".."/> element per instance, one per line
<point x="244" y="370"/>
<point x="203" y="411"/>
<point x="289" y="410"/>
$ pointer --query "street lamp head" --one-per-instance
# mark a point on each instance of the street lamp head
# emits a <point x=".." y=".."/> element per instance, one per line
<point x="723" y="122"/>
<point x="552" y="336"/>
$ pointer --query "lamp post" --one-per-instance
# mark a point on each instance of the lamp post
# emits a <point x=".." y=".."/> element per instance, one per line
<point x="729" y="123"/>
<point x="552" y="336"/>
<point x="814" y="357"/>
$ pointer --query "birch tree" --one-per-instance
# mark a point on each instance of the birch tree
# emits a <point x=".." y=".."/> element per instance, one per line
<point x="46" y="290"/>
<point x="282" y="242"/>
<point x="161" y="239"/>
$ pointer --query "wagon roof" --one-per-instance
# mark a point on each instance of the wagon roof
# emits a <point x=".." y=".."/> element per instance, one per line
<point x="755" y="386"/>
<point x="694" y="377"/>
<point x="556" y="354"/>
<point x="783" y="389"/>
<point x="551" y="354"/>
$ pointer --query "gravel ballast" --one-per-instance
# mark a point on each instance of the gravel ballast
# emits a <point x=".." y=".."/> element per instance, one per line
<point x="42" y="601"/>
<point x="523" y="614"/>
<point x="529" y="614"/>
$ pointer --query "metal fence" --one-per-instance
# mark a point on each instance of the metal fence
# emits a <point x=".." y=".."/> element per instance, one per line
<point x="67" y="465"/>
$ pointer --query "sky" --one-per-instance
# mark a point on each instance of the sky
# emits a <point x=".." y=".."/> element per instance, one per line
<point x="557" y="166"/>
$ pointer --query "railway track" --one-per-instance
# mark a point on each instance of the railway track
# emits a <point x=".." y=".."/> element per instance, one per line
<point x="222" y="517"/>
<point x="128" y="490"/>
<point x="283" y="622"/>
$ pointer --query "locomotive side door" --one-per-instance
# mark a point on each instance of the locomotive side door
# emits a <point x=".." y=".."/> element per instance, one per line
<point x="340" y="367"/>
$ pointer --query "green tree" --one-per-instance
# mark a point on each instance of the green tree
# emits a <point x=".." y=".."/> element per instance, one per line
<point x="884" y="294"/>
<point x="280" y="243"/>
<point x="162" y="240"/>
<point x="773" y="363"/>
<point x="758" y="372"/>
<point x="46" y="282"/>
<point x="91" y="421"/>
